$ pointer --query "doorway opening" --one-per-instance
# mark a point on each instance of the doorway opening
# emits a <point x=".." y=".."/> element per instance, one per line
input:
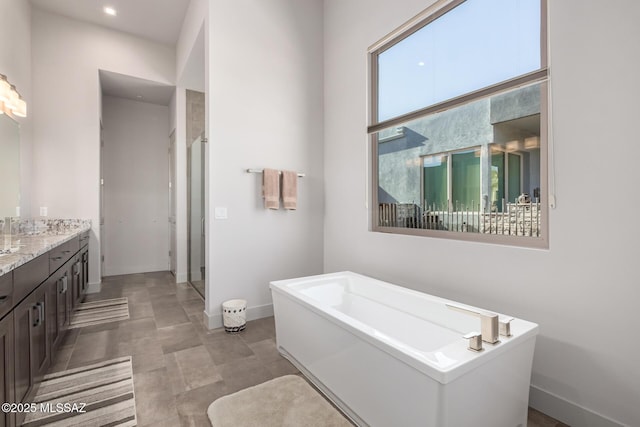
<point x="134" y="168"/>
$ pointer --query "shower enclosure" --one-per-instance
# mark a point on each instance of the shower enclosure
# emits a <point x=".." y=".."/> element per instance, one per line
<point x="195" y="205"/>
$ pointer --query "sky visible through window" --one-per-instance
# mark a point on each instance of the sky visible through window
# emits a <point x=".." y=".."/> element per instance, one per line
<point x="477" y="44"/>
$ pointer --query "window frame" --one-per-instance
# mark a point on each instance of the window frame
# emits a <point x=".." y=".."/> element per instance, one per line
<point x="540" y="76"/>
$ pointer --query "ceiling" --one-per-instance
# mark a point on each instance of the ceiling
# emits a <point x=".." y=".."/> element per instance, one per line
<point x="157" y="20"/>
<point x="123" y="86"/>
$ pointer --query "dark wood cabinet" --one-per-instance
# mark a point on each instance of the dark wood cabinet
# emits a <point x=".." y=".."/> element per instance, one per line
<point x="60" y="255"/>
<point x="28" y="276"/>
<point x="36" y="304"/>
<point x="84" y="264"/>
<point x="54" y="332"/>
<point x="6" y="368"/>
<point x="76" y="281"/>
<point x="63" y="306"/>
<point x="22" y="350"/>
<point x="84" y="261"/>
<point x="31" y="346"/>
<point x="6" y="293"/>
<point x="40" y="348"/>
<point x="58" y="303"/>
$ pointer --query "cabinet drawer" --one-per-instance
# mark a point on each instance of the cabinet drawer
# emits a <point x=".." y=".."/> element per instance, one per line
<point x="58" y="256"/>
<point x="6" y="293"/>
<point x="28" y="276"/>
<point x="84" y="239"/>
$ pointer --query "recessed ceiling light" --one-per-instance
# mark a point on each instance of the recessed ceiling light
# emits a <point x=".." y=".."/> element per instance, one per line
<point x="110" y="11"/>
<point x="421" y="64"/>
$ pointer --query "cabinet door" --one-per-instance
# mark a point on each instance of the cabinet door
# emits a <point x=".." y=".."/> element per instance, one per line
<point x="53" y="287"/>
<point x="23" y="316"/>
<point x="76" y="281"/>
<point x="63" y="310"/>
<point x="85" y="269"/>
<point x="6" y="368"/>
<point x="31" y="347"/>
<point x="6" y="293"/>
<point x="40" y="349"/>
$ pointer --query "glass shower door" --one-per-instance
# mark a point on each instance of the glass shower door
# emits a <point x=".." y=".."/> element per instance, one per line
<point x="196" y="203"/>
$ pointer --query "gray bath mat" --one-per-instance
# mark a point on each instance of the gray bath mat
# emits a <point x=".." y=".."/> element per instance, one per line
<point x="282" y="402"/>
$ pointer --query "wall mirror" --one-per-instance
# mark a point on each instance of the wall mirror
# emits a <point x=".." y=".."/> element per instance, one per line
<point x="9" y="166"/>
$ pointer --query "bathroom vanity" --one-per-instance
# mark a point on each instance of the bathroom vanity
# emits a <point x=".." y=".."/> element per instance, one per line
<point x="44" y="274"/>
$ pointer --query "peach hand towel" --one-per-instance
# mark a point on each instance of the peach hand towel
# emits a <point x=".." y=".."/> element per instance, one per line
<point x="271" y="188"/>
<point x="290" y="190"/>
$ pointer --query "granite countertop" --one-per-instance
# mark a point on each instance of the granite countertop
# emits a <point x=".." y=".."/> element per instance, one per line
<point x="34" y="238"/>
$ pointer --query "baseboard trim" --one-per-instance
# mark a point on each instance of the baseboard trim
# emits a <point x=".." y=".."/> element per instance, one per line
<point x="568" y="412"/>
<point x="214" y="320"/>
<point x="94" y="288"/>
<point x="119" y="271"/>
<point x="181" y="277"/>
<point x="259" y="312"/>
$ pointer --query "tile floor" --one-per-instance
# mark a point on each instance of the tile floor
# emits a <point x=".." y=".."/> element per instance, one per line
<point x="180" y="367"/>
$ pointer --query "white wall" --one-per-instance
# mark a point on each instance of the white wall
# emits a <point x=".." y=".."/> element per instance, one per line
<point x="583" y="291"/>
<point x="173" y="111"/>
<point x="192" y="25"/>
<point x="67" y="55"/>
<point x="136" y="173"/>
<point x="15" y="63"/>
<point x="264" y="87"/>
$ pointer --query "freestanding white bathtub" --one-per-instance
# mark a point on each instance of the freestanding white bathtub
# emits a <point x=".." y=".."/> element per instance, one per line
<point x="391" y="356"/>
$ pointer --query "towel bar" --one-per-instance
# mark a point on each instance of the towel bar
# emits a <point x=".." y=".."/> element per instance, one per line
<point x="300" y="175"/>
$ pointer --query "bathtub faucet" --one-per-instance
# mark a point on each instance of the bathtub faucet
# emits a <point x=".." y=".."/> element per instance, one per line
<point x="488" y="322"/>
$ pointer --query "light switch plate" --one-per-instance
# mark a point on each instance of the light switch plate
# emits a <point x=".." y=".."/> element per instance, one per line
<point x="220" y="212"/>
<point x="44" y="211"/>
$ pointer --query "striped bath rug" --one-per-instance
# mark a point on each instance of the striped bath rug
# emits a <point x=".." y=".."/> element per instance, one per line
<point x="97" y="312"/>
<point x="96" y="395"/>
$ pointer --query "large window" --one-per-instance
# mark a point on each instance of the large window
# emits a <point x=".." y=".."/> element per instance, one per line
<point x="458" y="123"/>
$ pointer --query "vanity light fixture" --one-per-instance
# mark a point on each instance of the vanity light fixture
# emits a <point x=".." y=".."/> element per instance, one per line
<point x="21" y="108"/>
<point x="10" y="99"/>
<point x="110" y="11"/>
